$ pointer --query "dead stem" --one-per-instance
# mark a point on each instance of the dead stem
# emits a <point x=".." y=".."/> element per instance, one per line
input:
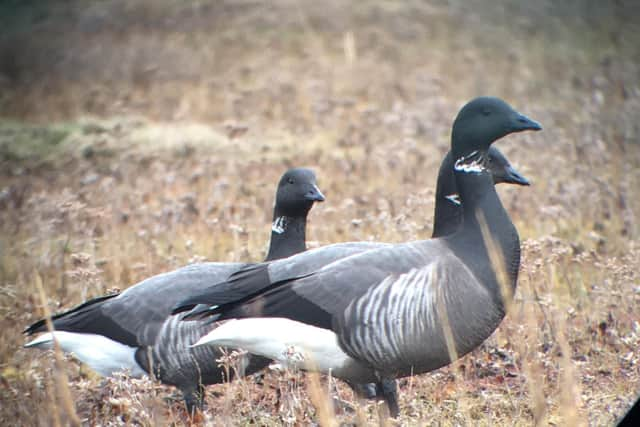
<point x="62" y="381"/>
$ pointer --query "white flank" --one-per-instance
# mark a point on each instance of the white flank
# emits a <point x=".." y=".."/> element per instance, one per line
<point x="101" y="354"/>
<point x="288" y="342"/>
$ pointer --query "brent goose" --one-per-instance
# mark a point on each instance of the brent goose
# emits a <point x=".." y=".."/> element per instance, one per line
<point x="401" y="309"/>
<point x="253" y="279"/>
<point x="447" y="219"/>
<point x="120" y="331"/>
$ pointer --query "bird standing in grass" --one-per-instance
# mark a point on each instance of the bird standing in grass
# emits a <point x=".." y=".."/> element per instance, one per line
<point x="400" y="309"/>
<point x="135" y="330"/>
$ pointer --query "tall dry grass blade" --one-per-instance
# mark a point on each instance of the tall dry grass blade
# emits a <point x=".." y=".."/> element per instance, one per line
<point x="441" y="308"/>
<point x="349" y="47"/>
<point x="496" y="256"/>
<point x="361" y="415"/>
<point x="497" y="259"/>
<point x="532" y="368"/>
<point x="570" y="393"/>
<point x="226" y="361"/>
<point x="152" y="371"/>
<point x="447" y="332"/>
<point x="53" y="405"/>
<point x="320" y="397"/>
<point x="61" y="377"/>
<point x="321" y="400"/>
<point x="384" y="418"/>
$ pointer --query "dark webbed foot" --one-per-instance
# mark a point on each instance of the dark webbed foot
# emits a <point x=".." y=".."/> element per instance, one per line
<point x="194" y="399"/>
<point x="367" y="391"/>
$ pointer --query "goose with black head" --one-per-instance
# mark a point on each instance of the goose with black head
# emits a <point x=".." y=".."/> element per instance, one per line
<point x="400" y="309"/>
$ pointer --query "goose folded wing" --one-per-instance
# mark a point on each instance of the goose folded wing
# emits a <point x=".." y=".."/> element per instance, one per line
<point x="136" y="316"/>
<point x="319" y="298"/>
<point x="86" y="317"/>
<point x="256" y="279"/>
<point x="239" y="286"/>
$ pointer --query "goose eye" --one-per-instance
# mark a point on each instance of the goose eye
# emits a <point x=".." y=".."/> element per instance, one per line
<point x="290" y="181"/>
<point x="486" y="112"/>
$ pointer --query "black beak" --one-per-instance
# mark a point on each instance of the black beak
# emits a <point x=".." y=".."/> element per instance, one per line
<point x="512" y="176"/>
<point x="522" y="123"/>
<point x="314" y="194"/>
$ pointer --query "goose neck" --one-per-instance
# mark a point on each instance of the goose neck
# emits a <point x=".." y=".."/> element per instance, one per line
<point x="487" y="235"/>
<point x="287" y="236"/>
<point x="447" y="215"/>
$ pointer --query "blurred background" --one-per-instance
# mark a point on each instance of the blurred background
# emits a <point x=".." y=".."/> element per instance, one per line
<point x="136" y="137"/>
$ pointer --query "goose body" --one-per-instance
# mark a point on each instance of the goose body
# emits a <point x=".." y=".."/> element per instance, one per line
<point x="416" y="285"/>
<point x="408" y="308"/>
<point x="135" y="331"/>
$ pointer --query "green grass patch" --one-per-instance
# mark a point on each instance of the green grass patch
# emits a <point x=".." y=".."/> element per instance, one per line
<point x="31" y="145"/>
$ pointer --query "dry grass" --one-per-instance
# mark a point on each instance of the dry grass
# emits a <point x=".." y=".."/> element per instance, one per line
<point x="139" y="138"/>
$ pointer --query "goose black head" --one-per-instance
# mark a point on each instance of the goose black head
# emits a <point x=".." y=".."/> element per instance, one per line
<point x="448" y="209"/>
<point x="484" y="120"/>
<point x="502" y="171"/>
<point x="297" y="191"/>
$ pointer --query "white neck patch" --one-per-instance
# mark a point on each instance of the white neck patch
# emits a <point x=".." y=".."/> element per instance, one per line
<point x="475" y="165"/>
<point x="454" y="198"/>
<point x="279" y="225"/>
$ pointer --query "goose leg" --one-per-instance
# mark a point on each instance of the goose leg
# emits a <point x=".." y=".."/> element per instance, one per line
<point x="388" y="390"/>
<point x="366" y="391"/>
<point x="385" y="389"/>
<point x="194" y="399"/>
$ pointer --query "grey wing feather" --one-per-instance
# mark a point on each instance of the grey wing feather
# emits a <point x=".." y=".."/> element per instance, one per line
<point x="319" y="297"/>
<point x="256" y="279"/>
<point x="143" y="308"/>
<point x="312" y="260"/>
<point x="334" y="286"/>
